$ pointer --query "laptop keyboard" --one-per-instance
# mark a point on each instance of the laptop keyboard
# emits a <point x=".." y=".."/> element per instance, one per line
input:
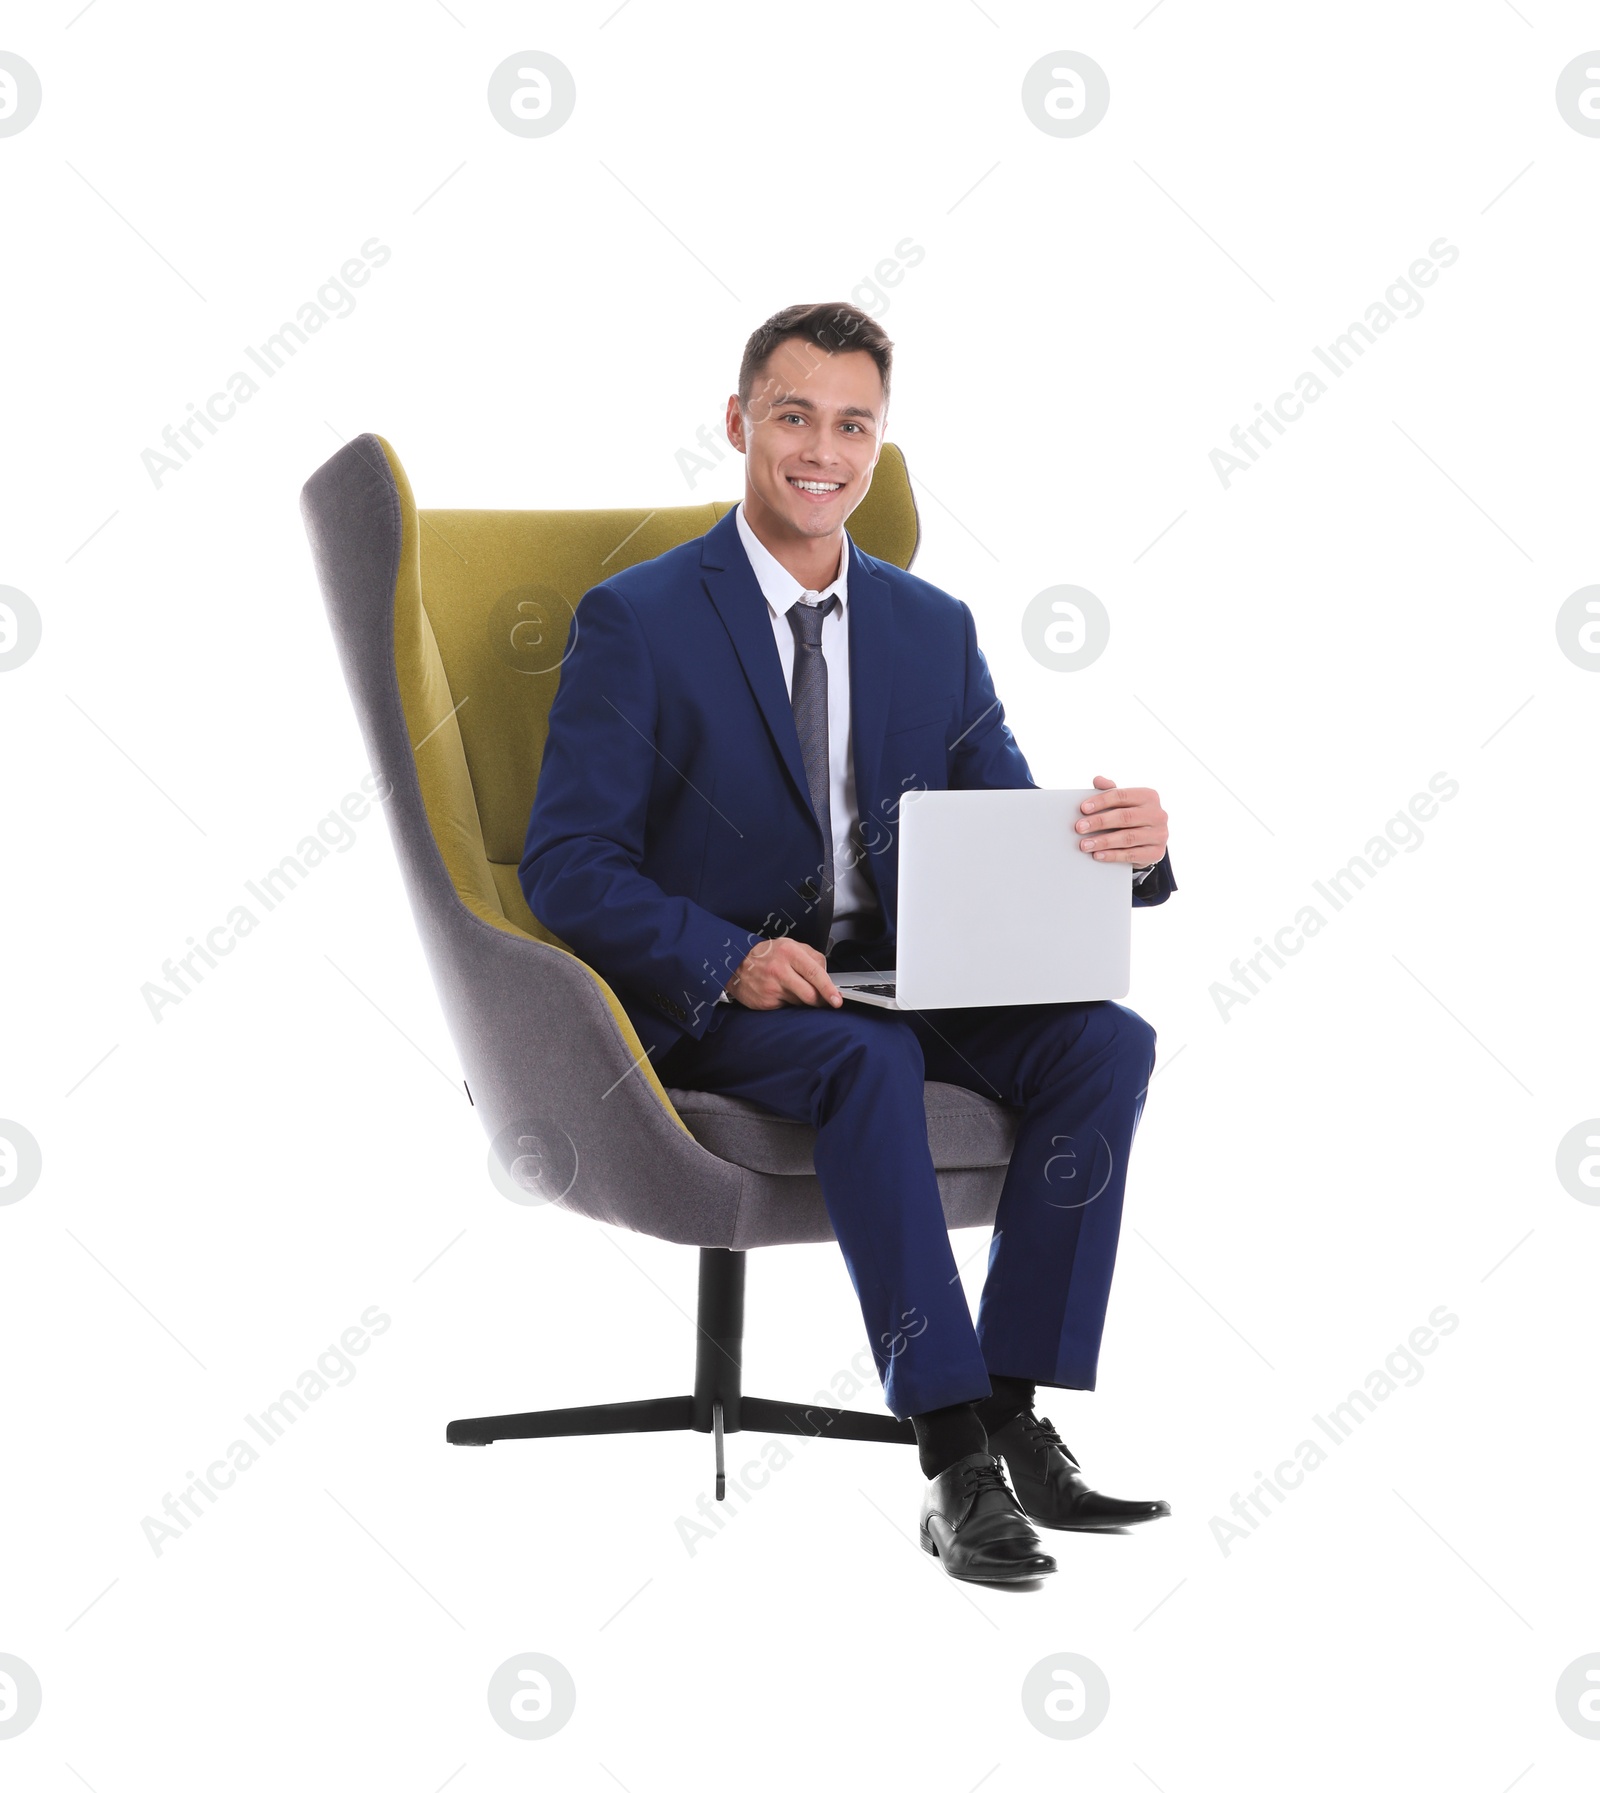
<point x="875" y="989"/>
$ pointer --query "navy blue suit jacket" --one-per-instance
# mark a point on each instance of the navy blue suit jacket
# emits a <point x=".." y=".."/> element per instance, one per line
<point x="673" y="828"/>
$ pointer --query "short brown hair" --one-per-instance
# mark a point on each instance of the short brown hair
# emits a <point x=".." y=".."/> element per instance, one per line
<point x="834" y="327"/>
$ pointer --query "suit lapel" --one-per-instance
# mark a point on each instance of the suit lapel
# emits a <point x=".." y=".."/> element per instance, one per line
<point x="871" y="614"/>
<point x="872" y="649"/>
<point x="732" y="584"/>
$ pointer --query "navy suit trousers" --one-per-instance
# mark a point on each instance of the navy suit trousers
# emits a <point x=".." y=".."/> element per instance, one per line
<point x="1077" y="1072"/>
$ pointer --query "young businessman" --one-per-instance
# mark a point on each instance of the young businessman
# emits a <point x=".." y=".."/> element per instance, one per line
<point x="715" y="828"/>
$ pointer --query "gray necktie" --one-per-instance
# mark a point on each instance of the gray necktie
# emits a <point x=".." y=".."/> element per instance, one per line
<point x="808" y="694"/>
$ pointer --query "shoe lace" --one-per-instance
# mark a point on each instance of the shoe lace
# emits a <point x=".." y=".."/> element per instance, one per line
<point x="988" y="1477"/>
<point x="1042" y="1434"/>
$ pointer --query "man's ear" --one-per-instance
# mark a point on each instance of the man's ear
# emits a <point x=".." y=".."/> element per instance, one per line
<point x="734" y="421"/>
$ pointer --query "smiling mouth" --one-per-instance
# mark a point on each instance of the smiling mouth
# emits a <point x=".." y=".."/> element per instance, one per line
<point x="816" y="488"/>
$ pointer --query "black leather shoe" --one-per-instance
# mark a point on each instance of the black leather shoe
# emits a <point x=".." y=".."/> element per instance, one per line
<point x="1050" y="1485"/>
<point x="971" y="1521"/>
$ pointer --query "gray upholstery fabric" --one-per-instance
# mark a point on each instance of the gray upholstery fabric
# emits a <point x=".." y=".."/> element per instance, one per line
<point x="965" y="1132"/>
<point x="536" y="1040"/>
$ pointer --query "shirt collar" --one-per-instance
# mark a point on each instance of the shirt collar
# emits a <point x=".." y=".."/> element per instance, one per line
<point x="778" y="585"/>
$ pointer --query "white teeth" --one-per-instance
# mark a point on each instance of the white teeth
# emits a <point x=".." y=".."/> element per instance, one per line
<point x="816" y="485"/>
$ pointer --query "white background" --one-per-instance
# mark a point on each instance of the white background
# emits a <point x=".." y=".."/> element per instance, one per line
<point x="1364" y="1140"/>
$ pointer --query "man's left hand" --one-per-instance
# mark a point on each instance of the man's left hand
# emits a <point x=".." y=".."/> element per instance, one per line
<point x="1123" y="826"/>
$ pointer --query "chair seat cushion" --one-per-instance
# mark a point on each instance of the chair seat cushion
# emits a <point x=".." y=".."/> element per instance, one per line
<point x="966" y="1131"/>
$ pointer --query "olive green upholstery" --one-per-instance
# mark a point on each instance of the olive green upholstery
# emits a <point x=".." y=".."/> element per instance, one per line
<point x="501" y="627"/>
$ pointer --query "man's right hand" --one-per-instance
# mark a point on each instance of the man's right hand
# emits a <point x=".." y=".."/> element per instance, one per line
<point x="783" y="971"/>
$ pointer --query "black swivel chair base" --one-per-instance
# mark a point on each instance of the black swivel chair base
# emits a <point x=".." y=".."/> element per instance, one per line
<point x="717" y="1405"/>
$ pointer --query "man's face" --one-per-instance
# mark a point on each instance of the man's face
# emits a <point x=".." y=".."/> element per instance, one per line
<point x="811" y="436"/>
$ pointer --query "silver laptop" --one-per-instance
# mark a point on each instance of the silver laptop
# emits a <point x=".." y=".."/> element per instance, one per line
<point x="999" y="904"/>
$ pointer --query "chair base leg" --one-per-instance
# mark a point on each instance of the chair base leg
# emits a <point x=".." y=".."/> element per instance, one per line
<point x="675" y="1413"/>
<point x="717" y="1405"/>
<point x="722" y="1468"/>
<point x="670" y="1413"/>
<point x="758" y="1415"/>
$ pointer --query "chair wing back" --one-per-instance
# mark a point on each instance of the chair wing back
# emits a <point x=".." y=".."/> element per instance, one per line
<point x="451" y="626"/>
